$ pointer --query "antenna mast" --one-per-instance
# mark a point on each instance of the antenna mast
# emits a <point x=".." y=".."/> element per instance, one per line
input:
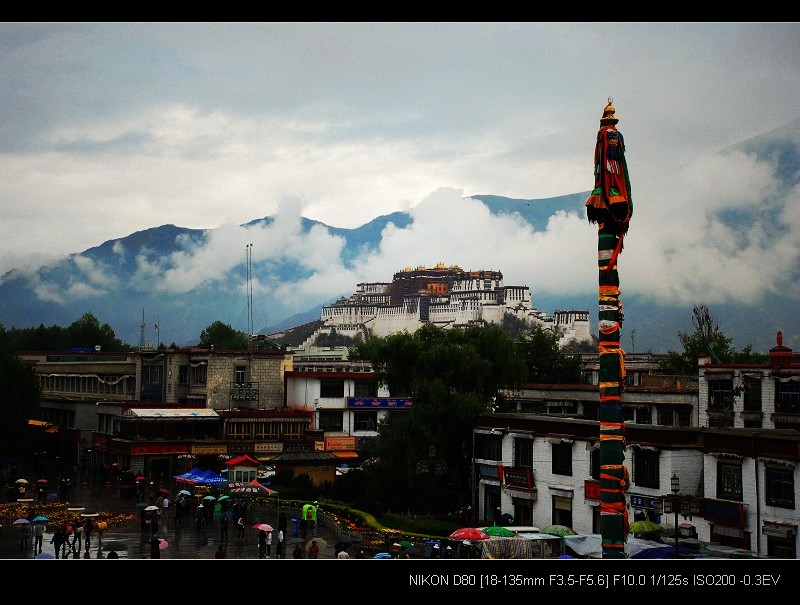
<point x="249" y="290"/>
<point x="141" y="335"/>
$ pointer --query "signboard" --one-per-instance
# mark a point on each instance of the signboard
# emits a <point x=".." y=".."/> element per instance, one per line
<point x="207" y="450"/>
<point x="148" y="449"/>
<point x="731" y="513"/>
<point x="240" y="448"/>
<point x="340" y="444"/>
<point x="377" y="403"/>
<point x="267" y="448"/>
<point x="640" y="501"/>
<point x="591" y="489"/>
<point x="516" y="477"/>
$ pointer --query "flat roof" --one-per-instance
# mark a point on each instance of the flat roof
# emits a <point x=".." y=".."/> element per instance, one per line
<point x="184" y="413"/>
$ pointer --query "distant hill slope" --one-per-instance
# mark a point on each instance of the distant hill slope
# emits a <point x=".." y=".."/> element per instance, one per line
<point x="122" y="279"/>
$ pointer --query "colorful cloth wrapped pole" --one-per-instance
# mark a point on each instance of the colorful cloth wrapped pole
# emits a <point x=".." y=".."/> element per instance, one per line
<point x="610" y="206"/>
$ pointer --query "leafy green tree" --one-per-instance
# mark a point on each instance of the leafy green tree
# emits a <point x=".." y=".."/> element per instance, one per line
<point x="21" y="397"/>
<point x="706" y="339"/>
<point x="88" y="332"/>
<point x="84" y="332"/>
<point x="451" y="375"/>
<point x="222" y="336"/>
<point x="545" y="362"/>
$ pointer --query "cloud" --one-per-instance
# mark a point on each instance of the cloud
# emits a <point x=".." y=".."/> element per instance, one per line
<point x="107" y="129"/>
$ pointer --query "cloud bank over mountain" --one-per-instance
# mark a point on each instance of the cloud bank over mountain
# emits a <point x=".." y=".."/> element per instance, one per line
<point x="731" y="239"/>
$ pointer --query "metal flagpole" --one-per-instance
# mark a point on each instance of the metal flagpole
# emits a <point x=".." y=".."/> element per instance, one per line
<point x="610" y="206"/>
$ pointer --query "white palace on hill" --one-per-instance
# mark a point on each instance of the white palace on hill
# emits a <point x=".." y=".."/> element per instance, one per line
<point x="446" y="297"/>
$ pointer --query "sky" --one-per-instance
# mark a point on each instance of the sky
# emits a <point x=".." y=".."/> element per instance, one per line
<point x="108" y="129"/>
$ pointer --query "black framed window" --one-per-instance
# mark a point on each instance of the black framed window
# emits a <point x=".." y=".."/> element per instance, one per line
<point x="199" y="374"/>
<point x="331" y="420"/>
<point x="787" y="396"/>
<point x="488" y="447"/>
<point x="645" y="468"/>
<point x="523" y="452"/>
<point x="779" y="486"/>
<point x="152" y="374"/>
<point x="752" y="394"/>
<point x="365" y="421"/>
<point x="729" y="481"/>
<point x="331" y="387"/>
<point x="720" y="394"/>
<point x="562" y="458"/>
<point x="183" y="374"/>
<point x="364" y="388"/>
<point x="594" y="463"/>
<point x="239" y="374"/>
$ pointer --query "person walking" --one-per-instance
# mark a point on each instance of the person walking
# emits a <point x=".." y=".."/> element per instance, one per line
<point x="66" y="532"/>
<point x="221" y="553"/>
<point x="223" y="528"/>
<point x="24" y="536"/>
<point x="240" y="529"/>
<point x="88" y="526"/>
<point x="75" y="545"/>
<point x="57" y="541"/>
<point x="155" y="547"/>
<point x="313" y="550"/>
<point x="269" y="544"/>
<point x="154" y="516"/>
<point x="262" y="544"/>
<point x="38" y="537"/>
<point x="165" y="504"/>
<point x="297" y="553"/>
<point x="279" y="546"/>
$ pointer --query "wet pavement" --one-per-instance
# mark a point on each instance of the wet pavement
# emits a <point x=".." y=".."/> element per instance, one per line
<point x="184" y="539"/>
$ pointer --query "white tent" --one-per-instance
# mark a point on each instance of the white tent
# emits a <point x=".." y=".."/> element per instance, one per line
<point x="591" y="545"/>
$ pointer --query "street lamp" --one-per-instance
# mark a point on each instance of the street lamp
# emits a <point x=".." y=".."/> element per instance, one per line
<point x="473" y="488"/>
<point x="676" y="502"/>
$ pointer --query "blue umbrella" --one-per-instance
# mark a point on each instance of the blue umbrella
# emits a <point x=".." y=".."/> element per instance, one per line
<point x="40" y="519"/>
<point x="382" y="555"/>
<point x="45" y="555"/>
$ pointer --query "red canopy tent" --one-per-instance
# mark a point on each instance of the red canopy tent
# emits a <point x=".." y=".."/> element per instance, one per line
<point x="244" y="460"/>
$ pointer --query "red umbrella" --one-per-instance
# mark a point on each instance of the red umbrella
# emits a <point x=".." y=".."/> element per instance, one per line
<point x="163" y="491"/>
<point x="140" y="478"/>
<point x="469" y="533"/>
<point x="264" y="526"/>
<point x="42" y="481"/>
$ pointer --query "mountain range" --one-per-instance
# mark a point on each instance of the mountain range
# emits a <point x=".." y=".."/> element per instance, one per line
<point x="167" y="283"/>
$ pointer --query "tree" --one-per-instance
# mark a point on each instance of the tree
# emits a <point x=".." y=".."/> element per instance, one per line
<point x="222" y="336"/>
<point x="451" y="375"/>
<point x="544" y="360"/>
<point x="85" y="332"/>
<point x="21" y="397"/>
<point x="707" y="339"/>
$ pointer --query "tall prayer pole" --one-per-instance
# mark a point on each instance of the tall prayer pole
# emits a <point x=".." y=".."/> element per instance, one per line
<point x="610" y="206"/>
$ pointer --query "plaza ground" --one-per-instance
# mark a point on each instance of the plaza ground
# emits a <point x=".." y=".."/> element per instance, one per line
<point x="185" y="540"/>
